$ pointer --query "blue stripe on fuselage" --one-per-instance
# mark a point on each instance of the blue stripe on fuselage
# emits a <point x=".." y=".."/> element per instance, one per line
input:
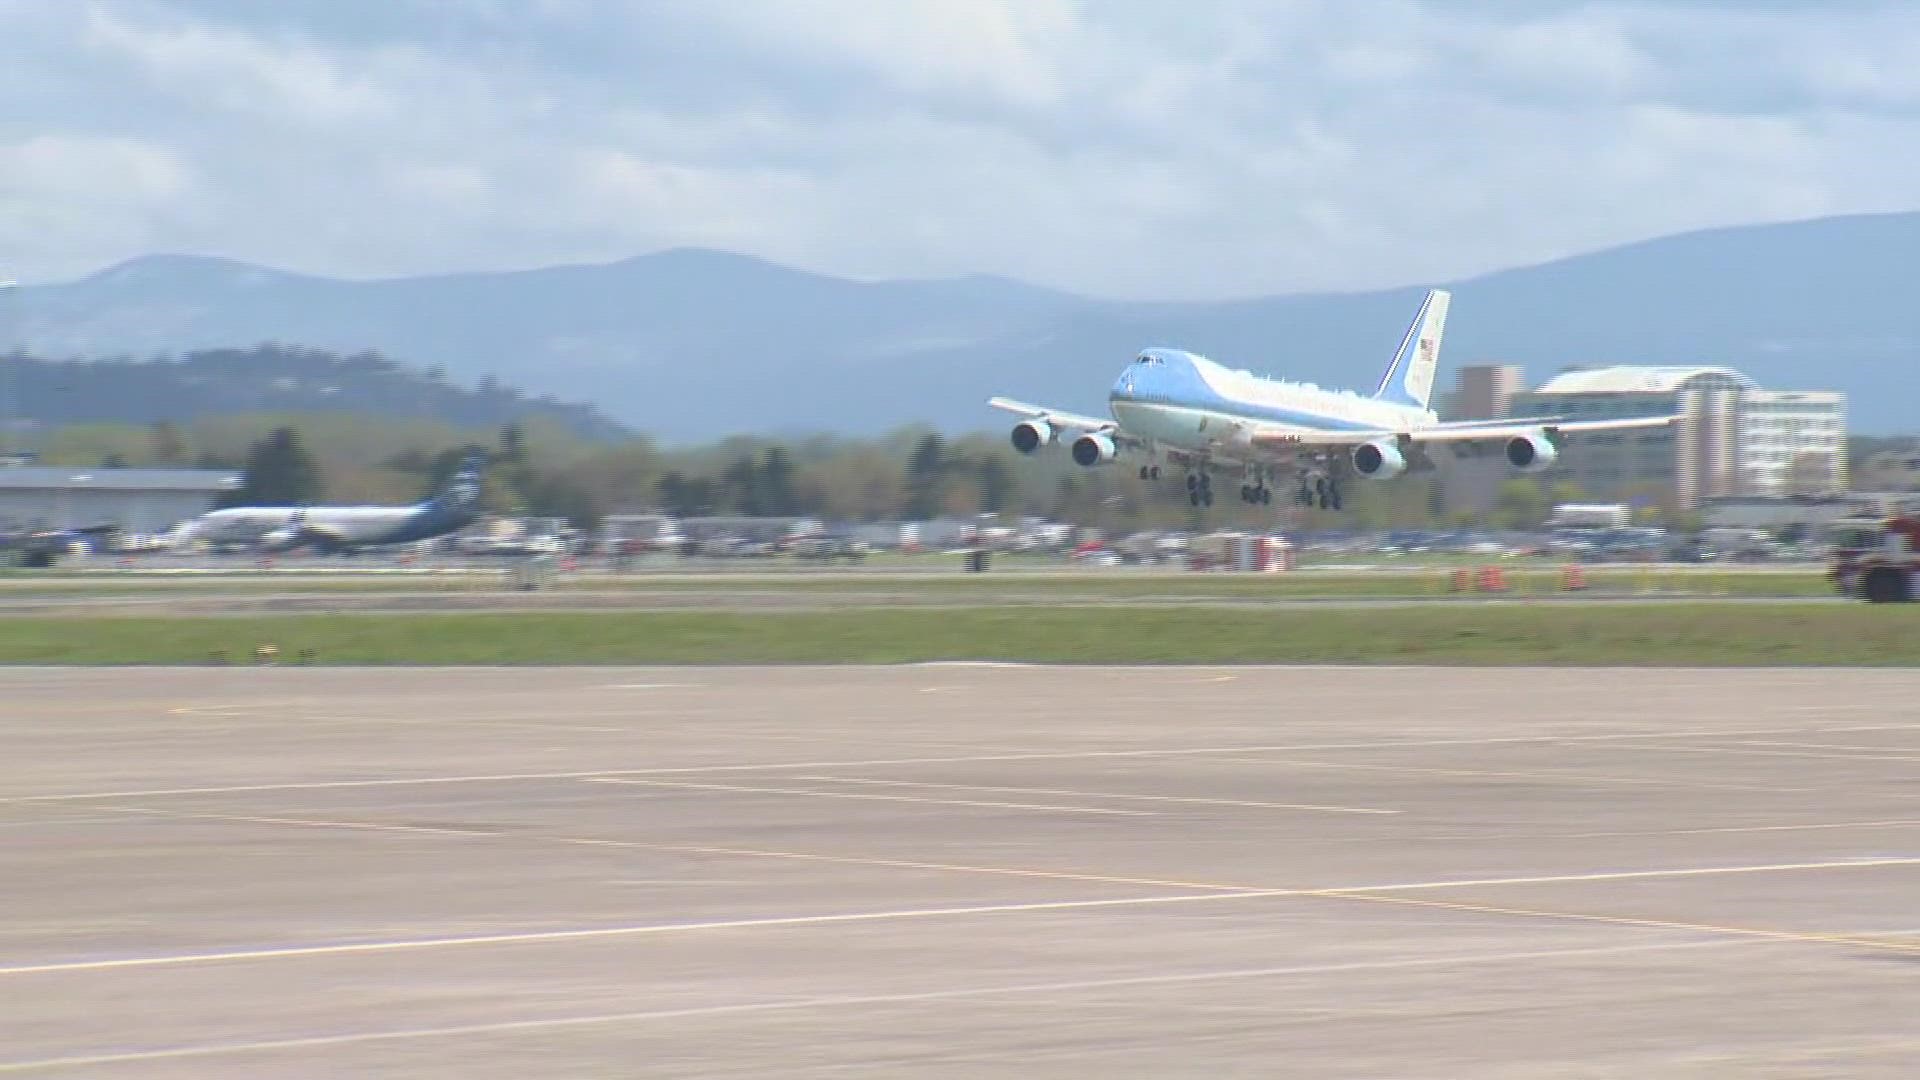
<point x="1174" y="381"/>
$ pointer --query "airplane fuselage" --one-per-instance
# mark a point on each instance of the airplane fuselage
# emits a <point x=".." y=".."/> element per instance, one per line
<point x="342" y="526"/>
<point x="1178" y="401"/>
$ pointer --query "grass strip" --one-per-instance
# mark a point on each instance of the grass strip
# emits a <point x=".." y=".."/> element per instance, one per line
<point x="1657" y="635"/>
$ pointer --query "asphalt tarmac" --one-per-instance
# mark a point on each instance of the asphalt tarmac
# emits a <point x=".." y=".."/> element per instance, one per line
<point x="959" y="871"/>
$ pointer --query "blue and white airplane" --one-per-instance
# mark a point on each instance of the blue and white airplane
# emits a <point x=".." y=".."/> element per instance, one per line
<point x="339" y="529"/>
<point x="1171" y="404"/>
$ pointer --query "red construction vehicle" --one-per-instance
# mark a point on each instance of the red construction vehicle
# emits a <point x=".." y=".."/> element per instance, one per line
<point x="1877" y="559"/>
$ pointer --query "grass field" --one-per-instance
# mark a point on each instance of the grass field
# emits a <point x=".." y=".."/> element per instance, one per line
<point x="1667" y="634"/>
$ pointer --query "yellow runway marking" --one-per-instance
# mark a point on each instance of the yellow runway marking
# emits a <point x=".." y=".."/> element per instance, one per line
<point x="1062" y="755"/>
<point x="1504" y="774"/>
<point x="693" y="849"/>
<point x="1197" y="892"/>
<point x="1802" y="936"/>
<point x="681" y="785"/>
<point x="1099" y="795"/>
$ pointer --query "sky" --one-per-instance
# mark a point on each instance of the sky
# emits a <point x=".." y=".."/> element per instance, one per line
<point x="1118" y="148"/>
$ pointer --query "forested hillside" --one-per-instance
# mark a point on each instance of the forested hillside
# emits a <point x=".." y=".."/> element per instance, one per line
<point x="270" y="378"/>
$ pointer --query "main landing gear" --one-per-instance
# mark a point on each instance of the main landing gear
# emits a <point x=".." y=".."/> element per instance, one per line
<point x="1149" y="472"/>
<point x="1199" y="489"/>
<point x="1320" y="491"/>
<point x="1256" y="494"/>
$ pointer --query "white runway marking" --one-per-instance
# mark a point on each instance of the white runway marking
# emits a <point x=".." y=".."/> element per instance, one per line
<point x="1758" y="750"/>
<point x="1099" y="795"/>
<point x="781" y="921"/>
<point x="853" y="1001"/>
<point x="1629" y="875"/>
<point x="1873" y="751"/>
<point x="604" y="932"/>
<point x="860" y="763"/>
<point x="751" y="790"/>
<point x="953" y="760"/>
<point x="243" y="717"/>
<point x="1881" y="823"/>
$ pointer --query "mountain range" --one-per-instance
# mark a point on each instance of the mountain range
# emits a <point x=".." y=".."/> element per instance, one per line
<point x="693" y="344"/>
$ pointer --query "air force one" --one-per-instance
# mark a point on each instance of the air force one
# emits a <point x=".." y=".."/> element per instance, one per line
<point x="1171" y="404"/>
<point x="341" y="529"/>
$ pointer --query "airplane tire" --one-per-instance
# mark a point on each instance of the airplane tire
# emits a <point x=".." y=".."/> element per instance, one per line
<point x="1884" y="586"/>
<point x="1193" y="483"/>
<point x="1153" y="473"/>
<point x="1266" y="496"/>
<point x="1143" y="472"/>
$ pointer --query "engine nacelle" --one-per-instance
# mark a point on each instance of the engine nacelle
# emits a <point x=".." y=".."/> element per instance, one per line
<point x="1532" y="452"/>
<point x="1094" y="449"/>
<point x="1031" y="435"/>
<point x="1379" y="460"/>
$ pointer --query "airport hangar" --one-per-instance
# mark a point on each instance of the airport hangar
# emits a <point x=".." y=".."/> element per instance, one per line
<point x="135" y="500"/>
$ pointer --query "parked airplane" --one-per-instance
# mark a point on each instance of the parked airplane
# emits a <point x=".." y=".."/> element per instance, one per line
<point x="1202" y="416"/>
<point x="41" y="548"/>
<point x="333" y="529"/>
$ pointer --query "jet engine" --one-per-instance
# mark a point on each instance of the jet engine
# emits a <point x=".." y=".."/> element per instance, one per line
<point x="1093" y="449"/>
<point x="1031" y="435"/>
<point x="1531" y="452"/>
<point x="1379" y="460"/>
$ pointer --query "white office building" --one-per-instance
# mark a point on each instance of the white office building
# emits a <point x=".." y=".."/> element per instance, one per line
<point x="1733" y="438"/>
<point x="1792" y="442"/>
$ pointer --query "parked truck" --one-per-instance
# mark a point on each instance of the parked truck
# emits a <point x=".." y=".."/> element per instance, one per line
<point x="1876" y="559"/>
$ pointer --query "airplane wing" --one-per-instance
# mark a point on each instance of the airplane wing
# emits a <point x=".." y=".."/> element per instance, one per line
<point x="1488" y="430"/>
<point x="1463" y="431"/>
<point x="1054" y="417"/>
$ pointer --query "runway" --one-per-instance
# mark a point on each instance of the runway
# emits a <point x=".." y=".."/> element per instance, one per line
<point x="960" y="870"/>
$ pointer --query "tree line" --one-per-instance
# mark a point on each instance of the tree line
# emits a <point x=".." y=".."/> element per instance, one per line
<point x="543" y="469"/>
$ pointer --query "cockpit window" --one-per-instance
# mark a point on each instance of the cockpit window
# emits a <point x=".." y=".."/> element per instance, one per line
<point x="1146" y="359"/>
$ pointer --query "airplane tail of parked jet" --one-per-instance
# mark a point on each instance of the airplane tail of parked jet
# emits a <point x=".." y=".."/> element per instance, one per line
<point x="461" y="492"/>
<point x="1409" y="379"/>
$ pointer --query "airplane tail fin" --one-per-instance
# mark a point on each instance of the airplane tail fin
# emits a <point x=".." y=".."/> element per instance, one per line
<point x="1409" y="379"/>
<point x="462" y="490"/>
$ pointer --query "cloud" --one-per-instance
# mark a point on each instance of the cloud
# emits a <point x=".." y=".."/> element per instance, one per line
<point x="1126" y="147"/>
<point x="228" y="69"/>
<point x="59" y="191"/>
